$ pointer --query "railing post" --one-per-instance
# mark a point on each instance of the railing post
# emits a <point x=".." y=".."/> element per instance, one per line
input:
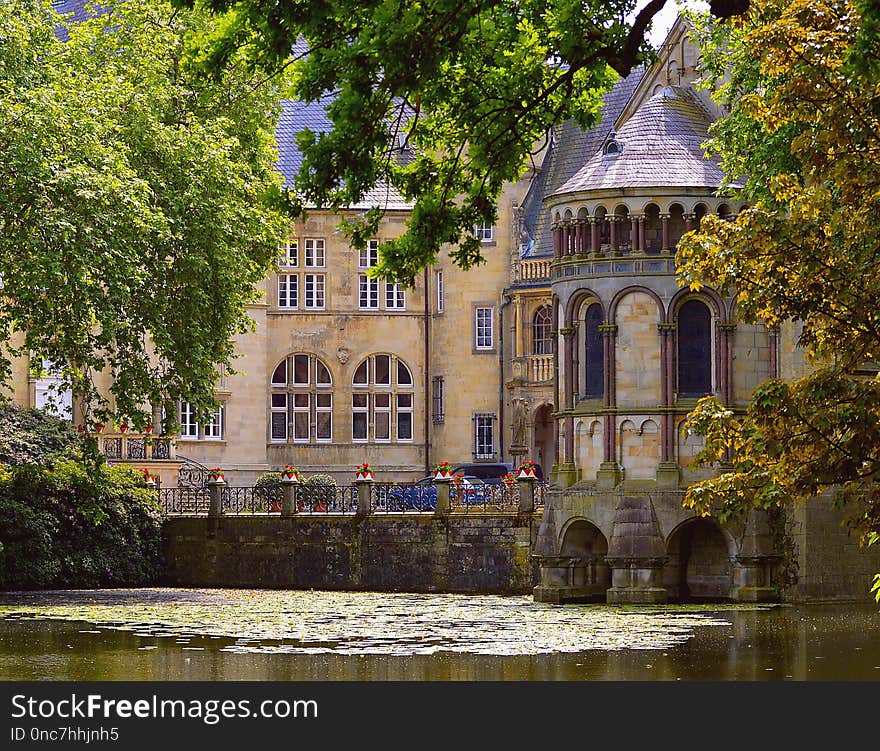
<point x="526" y="487"/>
<point x="288" y="498"/>
<point x="363" y="490"/>
<point x="215" y="493"/>
<point x="442" y="484"/>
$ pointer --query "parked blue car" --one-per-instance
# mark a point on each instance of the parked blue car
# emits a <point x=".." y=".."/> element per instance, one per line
<point x="422" y="495"/>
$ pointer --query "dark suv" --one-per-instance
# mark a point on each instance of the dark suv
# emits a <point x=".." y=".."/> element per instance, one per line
<point x="489" y="472"/>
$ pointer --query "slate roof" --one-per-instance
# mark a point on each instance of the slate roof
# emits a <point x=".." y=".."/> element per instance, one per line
<point x="73" y="11"/>
<point x="298" y="116"/>
<point x="571" y="148"/>
<point x="660" y="146"/>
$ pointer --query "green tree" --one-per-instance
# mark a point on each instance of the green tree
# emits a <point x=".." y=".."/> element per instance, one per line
<point x="804" y="128"/>
<point x="443" y="101"/>
<point x="139" y="203"/>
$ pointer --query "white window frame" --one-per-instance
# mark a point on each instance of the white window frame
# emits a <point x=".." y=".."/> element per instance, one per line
<point x="404" y="410"/>
<point x="368" y="293"/>
<point x="189" y="426"/>
<point x="484" y="330"/>
<point x="299" y="410"/>
<point x="315" y="253"/>
<point x="214" y="427"/>
<point x="440" y="292"/>
<point x="279" y="410"/>
<point x="319" y="410"/>
<point x="288" y="291"/>
<point x="395" y="296"/>
<point x="369" y="256"/>
<point x="483" y="424"/>
<point x="484" y="233"/>
<point x="386" y="412"/>
<point x="438" y="399"/>
<point x="365" y="411"/>
<point x="288" y="253"/>
<point x="315" y="286"/>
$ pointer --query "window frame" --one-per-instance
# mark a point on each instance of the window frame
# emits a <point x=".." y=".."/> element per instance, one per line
<point x="314" y="249"/>
<point x="314" y="278"/>
<point x="480" y="335"/>
<point x="483" y="423"/>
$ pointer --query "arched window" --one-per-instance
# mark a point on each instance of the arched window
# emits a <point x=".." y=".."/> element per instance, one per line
<point x="694" y="334"/>
<point x="594" y="355"/>
<point x="382" y="402"/>
<point x="302" y="401"/>
<point x="542" y="324"/>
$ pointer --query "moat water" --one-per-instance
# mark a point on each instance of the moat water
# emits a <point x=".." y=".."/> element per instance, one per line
<point x="214" y="634"/>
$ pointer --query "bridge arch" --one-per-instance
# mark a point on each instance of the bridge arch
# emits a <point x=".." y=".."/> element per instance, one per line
<point x="585" y="547"/>
<point x="700" y="561"/>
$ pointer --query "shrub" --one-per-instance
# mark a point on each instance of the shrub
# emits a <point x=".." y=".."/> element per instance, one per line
<point x="74" y="525"/>
<point x="33" y="436"/>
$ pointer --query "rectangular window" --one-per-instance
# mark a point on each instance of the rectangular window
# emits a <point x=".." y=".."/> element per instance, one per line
<point x="395" y="297"/>
<point x="483" y="338"/>
<point x="323" y="417"/>
<point x="315" y="291"/>
<point x="484" y="436"/>
<point x="314" y="252"/>
<point x="369" y="256"/>
<point x="288" y="253"/>
<point x="288" y="291"/>
<point x="279" y="417"/>
<point x="382" y="417"/>
<point x="484" y="233"/>
<point x="301" y="418"/>
<point x="189" y="428"/>
<point x="440" y="292"/>
<point x="214" y="427"/>
<point x="369" y="292"/>
<point x="359" y="413"/>
<point x="404" y="417"/>
<point x="437" y="399"/>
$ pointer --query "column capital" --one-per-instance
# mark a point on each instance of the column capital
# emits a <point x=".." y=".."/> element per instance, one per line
<point x="666" y="327"/>
<point x="665" y="216"/>
<point x="609" y="329"/>
<point x="728" y="326"/>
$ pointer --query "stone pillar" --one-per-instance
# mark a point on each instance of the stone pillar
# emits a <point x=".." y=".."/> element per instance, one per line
<point x="642" y="245"/>
<point x="364" y="487"/>
<point x="613" y="222"/>
<point x="215" y="496"/>
<point x="288" y="498"/>
<point x="609" y="474"/>
<point x="664" y="223"/>
<point x="579" y="237"/>
<point x="594" y="235"/>
<point x="636" y="554"/>
<point x="668" y="472"/>
<point x="526" y="487"/>
<point x="726" y="331"/>
<point x="755" y="562"/>
<point x="518" y="309"/>
<point x="557" y="241"/>
<point x="442" y="485"/>
<point x="688" y="222"/>
<point x="634" y="233"/>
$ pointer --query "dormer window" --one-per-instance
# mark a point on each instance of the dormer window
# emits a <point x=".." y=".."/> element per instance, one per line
<point x="612" y="147"/>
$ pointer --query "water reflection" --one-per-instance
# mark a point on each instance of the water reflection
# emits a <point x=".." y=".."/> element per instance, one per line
<point x="187" y="635"/>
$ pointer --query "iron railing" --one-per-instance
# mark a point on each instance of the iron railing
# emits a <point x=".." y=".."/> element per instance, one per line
<point x="403" y="497"/>
<point x="326" y="499"/>
<point x="494" y="497"/>
<point x="184" y="500"/>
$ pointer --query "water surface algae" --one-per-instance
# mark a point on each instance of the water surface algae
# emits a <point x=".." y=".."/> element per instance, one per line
<point x="311" y="622"/>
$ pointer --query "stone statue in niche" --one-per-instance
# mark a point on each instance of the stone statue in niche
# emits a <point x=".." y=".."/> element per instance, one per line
<point x="518" y="426"/>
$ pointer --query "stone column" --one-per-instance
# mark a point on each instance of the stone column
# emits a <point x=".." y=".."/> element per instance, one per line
<point x="526" y="487"/>
<point x="594" y="235"/>
<point x="557" y="241"/>
<point x="636" y="554"/>
<point x="579" y="236"/>
<point x="364" y="487"/>
<point x="613" y="222"/>
<point x="288" y="498"/>
<point x="726" y="331"/>
<point x="642" y="245"/>
<point x="609" y="475"/>
<point x="442" y="485"/>
<point x="668" y="472"/>
<point x="664" y="223"/>
<point x="215" y="496"/>
<point x="634" y="233"/>
<point x="518" y="309"/>
<point x="688" y="222"/>
<point x="755" y="561"/>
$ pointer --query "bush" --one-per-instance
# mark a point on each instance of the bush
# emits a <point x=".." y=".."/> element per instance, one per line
<point x="318" y="492"/>
<point x="32" y="436"/>
<point x="74" y="525"/>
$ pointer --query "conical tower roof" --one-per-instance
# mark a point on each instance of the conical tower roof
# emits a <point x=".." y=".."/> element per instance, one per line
<point x="659" y="146"/>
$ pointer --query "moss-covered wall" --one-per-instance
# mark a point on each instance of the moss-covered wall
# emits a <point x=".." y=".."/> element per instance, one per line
<point x="479" y="553"/>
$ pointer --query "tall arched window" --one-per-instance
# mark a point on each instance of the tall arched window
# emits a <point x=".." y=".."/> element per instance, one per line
<point x="542" y="324"/>
<point x="694" y="335"/>
<point x="382" y="402"/>
<point x="302" y="401"/>
<point x="594" y="355"/>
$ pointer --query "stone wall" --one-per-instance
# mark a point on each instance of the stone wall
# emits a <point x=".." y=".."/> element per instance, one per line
<point x="488" y="553"/>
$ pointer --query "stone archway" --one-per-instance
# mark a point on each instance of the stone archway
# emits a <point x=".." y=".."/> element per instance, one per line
<point x="700" y="565"/>
<point x="582" y="557"/>
<point x="543" y="444"/>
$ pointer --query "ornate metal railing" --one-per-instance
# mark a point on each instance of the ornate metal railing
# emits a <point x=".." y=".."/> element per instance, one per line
<point x="326" y="499"/>
<point x="538" y="493"/>
<point x="191" y="474"/>
<point x="498" y="497"/>
<point x="246" y="501"/>
<point x="403" y="497"/>
<point x="136" y="446"/>
<point x="182" y="500"/>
